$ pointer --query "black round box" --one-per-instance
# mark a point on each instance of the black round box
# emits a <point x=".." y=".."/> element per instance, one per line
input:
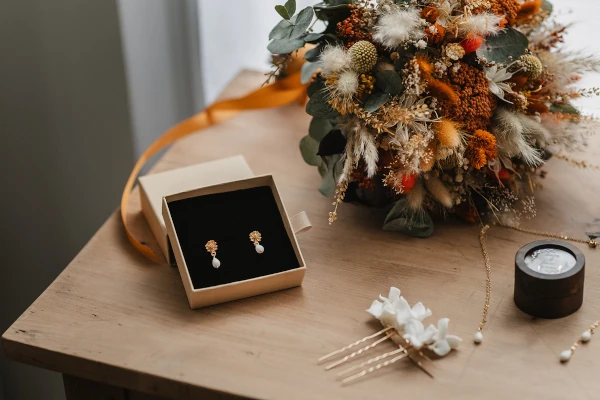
<point x="546" y="295"/>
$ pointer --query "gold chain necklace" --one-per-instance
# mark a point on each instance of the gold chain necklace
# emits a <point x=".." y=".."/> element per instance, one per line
<point x="478" y="338"/>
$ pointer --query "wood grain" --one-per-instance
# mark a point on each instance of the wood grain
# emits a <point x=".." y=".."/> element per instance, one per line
<point x="114" y="317"/>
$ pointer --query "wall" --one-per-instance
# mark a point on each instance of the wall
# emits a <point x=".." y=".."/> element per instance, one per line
<point x="66" y="149"/>
<point x="86" y="87"/>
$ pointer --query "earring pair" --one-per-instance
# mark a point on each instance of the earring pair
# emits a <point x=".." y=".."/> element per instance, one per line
<point x="212" y="247"/>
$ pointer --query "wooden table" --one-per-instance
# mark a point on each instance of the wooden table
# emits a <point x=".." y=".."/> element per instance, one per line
<point x="119" y="320"/>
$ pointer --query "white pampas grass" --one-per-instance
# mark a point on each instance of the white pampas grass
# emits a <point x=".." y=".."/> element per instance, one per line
<point x="535" y="131"/>
<point x="397" y="26"/>
<point x="360" y="143"/>
<point x="565" y="67"/>
<point x="343" y="89"/>
<point x="347" y="83"/>
<point x="334" y="59"/>
<point x="511" y="130"/>
<point x="439" y="191"/>
<point x="568" y="135"/>
<point x="482" y="24"/>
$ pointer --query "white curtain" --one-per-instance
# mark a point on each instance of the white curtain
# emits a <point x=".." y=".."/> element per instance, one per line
<point x="234" y="35"/>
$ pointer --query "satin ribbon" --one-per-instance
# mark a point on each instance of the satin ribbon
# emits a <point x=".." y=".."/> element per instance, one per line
<point x="282" y="92"/>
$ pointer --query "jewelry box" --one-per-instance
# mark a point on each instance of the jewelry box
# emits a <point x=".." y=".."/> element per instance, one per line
<point x="229" y="214"/>
<point x="154" y="187"/>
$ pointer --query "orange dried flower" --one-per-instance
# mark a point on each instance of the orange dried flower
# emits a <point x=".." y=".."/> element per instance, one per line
<point x="351" y="28"/>
<point x="430" y="14"/>
<point x="476" y="104"/>
<point x="507" y="8"/>
<point x="424" y="66"/>
<point x="481" y="148"/>
<point x="535" y="107"/>
<point x="447" y="133"/>
<point x="518" y="80"/>
<point x="442" y="91"/>
<point x="471" y="44"/>
<point x="435" y="33"/>
<point x="528" y="10"/>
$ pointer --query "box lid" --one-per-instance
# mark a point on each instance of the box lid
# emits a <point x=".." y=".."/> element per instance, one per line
<point x="156" y="186"/>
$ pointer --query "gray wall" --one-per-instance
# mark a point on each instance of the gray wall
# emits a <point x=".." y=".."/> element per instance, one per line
<point x="65" y="153"/>
<point x="85" y="86"/>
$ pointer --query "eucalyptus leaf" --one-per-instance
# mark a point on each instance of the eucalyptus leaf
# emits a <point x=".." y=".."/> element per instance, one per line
<point x="313" y="54"/>
<point x="319" y="128"/>
<point x="290" y="6"/>
<point x="332" y="14"/>
<point x="334" y="168"/>
<point x="547" y="6"/>
<point x="333" y="143"/>
<point x="312" y="37"/>
<point x="564" y="109"/>
<point x="309" y="148"/>
<point x="281" y="10"/>
<point x="284" y="46"/>
<point x="302" y="23"/>
<point x="389" y="81"/>
<point x="282" y="30"/>
<point x="322" y="168"/>
<point x="318" y="106"/>
<point x="307" y="71"/>
<point x="316" y="86"/>
<point x="339" y="2"/>
<point x="505" y="47"/>
<point x="375" y="101"/>
<point x="402" y="218"/>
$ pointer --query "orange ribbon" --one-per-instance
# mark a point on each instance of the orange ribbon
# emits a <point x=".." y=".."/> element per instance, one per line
<point x="282" y="92"/>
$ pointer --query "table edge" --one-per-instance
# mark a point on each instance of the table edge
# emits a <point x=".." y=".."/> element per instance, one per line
<point x="112" y="375"/>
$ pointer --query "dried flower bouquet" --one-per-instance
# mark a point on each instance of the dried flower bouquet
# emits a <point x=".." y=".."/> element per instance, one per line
<point x="435" y="106"/>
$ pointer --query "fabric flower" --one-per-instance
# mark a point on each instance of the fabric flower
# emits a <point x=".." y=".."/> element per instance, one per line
<point x="395" y="311"/>
<point x="404" y="313"/>
<point x="416" y="333"/>
<point x="385" y="310"/>
<point x="497" y="78"/>
<point x="442" y="342"/>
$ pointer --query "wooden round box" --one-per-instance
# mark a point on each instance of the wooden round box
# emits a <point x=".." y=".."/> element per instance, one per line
<point x="549" y="277"/>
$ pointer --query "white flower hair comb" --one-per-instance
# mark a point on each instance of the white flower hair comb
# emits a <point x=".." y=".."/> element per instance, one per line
<point x="402" y="324"/>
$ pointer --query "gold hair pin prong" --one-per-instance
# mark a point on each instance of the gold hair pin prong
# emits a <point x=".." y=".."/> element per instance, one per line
<point x="343" y="349"/>
<point x="403" y="325"/>
<point x="358" y="352"/>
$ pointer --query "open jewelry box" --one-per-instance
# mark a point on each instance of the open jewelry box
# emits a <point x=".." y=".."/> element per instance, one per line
<point x="227" y="213"/>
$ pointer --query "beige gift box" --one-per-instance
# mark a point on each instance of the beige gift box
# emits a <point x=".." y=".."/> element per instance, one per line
<point x="156" y="186"/>
<point x="205" y="296"/>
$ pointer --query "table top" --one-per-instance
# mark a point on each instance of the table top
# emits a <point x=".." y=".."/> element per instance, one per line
<point x="115" y="317"/>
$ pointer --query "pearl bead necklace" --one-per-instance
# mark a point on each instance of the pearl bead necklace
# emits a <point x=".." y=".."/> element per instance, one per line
<point x="585" y="337"/>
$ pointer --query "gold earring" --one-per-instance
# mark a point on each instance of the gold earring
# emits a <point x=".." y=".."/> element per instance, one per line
<point x="211" y="247"/>
<point x="255" y="237"/>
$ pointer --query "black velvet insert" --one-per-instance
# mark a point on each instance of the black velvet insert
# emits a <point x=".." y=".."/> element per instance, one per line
<point x="228" y="218"/>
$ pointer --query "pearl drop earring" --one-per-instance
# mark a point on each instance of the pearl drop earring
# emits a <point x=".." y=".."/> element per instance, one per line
<point x="255" y="237"/>
<point x="211" y="247"/>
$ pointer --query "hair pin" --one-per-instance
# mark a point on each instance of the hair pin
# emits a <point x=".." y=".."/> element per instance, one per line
<point x="402" y="324"/>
